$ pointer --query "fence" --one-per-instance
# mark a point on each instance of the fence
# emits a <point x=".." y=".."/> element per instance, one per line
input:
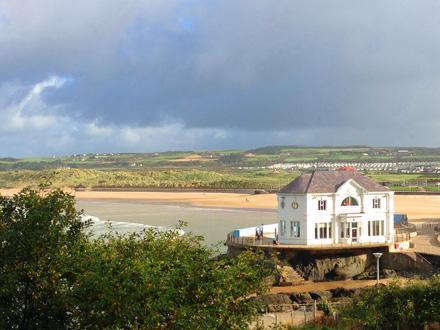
<point x="434" y="225"/>
<point x="297" y="314"/>
<point x="270" y="242"/>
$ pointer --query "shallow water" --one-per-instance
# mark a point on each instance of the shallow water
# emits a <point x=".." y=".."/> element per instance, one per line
<point x="213" y="224"/>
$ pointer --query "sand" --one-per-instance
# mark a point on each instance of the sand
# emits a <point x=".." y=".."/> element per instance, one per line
<point x="416" y="206"/>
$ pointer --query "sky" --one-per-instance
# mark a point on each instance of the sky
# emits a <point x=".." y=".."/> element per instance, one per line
<point x="89" y="76"/>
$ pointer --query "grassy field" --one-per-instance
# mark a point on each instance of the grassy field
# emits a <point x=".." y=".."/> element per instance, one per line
<point x="186" y="178"/>
<point x="180" y="178"/>
<point x="218" y="169"/>
<point x="220" y="159"/>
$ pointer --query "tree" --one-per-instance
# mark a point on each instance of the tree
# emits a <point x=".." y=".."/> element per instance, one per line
<point x="395" y="306"/>
<point x="54" y="276"/>
<point x="162" y="280"/>
<point x="38" y="231"/>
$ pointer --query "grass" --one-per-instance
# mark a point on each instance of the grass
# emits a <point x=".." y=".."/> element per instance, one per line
<point x="177" y="178"/>
<point x="183" y="178"/>
<point x="217" y="169"/>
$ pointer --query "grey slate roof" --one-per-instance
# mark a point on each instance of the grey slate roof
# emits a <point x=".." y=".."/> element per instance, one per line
<point x="329" y="182"/>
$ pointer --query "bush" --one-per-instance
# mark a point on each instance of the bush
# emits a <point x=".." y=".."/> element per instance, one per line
<point x="397" y="307"/>
<point x="52" y="275"/>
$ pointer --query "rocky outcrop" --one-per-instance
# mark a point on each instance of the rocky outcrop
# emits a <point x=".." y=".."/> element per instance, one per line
<point x="320" y="295"/>
<point x="370" y="273"/>
<point x="342" y="293"/>
<point x="286" y="275"/>
<point x="406" y="261"/>
<point x="301" y="298"/>
<point x="330" y="268"/>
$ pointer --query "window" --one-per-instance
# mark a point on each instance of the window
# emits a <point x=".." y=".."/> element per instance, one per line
<point x="343" y="229"/>
<point x="376" y="228"/>
<point x="346" y="228"/>
<point x="295" y="229"/>
<point x="283" y="227"/>
<point x="376" y="203"/>
<point x="322" y="205"/>
<point x="323" y="230"/>
<point x="350" y="201"/>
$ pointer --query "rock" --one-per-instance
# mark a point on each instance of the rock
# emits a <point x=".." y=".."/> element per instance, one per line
<point x="322" y="268"/>
<point x="342" y="293"/>
<point x="286" y="275"/>
<point x="365" y="276"/>
<point x="349" y="271"/>
<point x="387" y="273"/>
<point x="276" y="302"/>
<point x="319" y="295"/>
<point x="301" y="298"/>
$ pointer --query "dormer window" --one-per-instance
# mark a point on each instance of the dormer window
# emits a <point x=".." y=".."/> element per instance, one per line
<point x="350" y="201"/>
<point x="322" y="205"/>
<point x="376" y="203"/>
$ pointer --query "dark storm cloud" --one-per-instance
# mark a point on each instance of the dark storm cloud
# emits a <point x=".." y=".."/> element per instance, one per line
<point x="218" y="72"/>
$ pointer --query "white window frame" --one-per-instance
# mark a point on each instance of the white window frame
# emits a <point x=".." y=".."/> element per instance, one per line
<point x="295" y="229"/>
<point x="376" y="228"/>
<point x="322" y="205"/>
<point x="283" y="227"/>
<point x="323" y="230"/>
<point x="376" y="203"/>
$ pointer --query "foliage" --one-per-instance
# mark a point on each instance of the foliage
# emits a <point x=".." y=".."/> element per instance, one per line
<point x="160" y="280"/>
<point x="216" y="159"/>
<point x="325" y="306"/>
<point x="54" y="276"/>
<point x="37" y="233"/>
<point x="397" y="307"/>
<point x="178" y="178"/>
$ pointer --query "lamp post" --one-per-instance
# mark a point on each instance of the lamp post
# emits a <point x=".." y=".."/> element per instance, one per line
<point x="377" y="255"/>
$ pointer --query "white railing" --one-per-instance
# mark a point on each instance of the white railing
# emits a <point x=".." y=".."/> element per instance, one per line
<point x="270" y="242"/>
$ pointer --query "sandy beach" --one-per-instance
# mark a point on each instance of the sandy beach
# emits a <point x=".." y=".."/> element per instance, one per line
<point x="416" y="206"/>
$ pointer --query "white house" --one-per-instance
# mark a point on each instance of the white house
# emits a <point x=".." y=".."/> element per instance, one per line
<point x="335" y="207"/>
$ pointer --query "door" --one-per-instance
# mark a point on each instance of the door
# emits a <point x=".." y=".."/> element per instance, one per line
<point x="354" y="232"/>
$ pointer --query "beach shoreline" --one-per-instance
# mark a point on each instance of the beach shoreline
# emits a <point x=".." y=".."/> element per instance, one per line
<point x="415" y="206"/>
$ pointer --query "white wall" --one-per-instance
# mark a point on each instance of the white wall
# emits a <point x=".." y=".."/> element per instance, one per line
<point x="288" y="213"/>
<point x="268" y="230"/>
<point x="308" y="214"/>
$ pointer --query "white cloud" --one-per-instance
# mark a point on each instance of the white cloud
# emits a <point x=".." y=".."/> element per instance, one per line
<point x="29" y="112"/>
<point x="32" y="126"/>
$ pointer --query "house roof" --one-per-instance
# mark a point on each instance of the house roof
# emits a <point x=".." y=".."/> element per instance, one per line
<point x="329" y="182"/>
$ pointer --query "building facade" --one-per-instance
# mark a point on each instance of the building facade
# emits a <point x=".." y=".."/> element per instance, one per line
<point x="335" y="207"/>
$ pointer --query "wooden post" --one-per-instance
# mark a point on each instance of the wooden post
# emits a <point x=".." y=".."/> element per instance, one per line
<point x="314" y="310"/>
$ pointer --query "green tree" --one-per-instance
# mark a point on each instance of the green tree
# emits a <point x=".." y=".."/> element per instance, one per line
<point x="394" y="306"/>
<point x="162" y="280"/>
<point x="53" y="276"/>
<point x="38" y="231"/>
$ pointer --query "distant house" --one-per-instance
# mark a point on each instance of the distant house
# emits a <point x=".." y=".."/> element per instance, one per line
<point x="335" y="207"/>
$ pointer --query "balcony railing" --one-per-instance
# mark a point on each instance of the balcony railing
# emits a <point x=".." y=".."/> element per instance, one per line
<point x="270" y="242"/>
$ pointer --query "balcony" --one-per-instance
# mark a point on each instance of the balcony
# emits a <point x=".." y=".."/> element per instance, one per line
<point x="270" y="243"/>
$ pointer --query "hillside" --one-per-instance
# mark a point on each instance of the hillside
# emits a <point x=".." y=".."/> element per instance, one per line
<point x="266" y="168"/>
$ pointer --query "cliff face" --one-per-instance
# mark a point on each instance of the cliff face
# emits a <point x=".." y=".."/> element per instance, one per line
<point x="318" y="268"/>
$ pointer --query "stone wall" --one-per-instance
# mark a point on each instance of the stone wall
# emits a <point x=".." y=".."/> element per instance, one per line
<point x="405" y="261"/>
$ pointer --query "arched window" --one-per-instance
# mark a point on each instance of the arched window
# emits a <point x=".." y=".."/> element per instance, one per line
<point x="350" y="201"/>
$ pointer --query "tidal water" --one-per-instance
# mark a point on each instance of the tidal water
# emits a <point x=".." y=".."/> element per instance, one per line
<point x="212" y="223"/>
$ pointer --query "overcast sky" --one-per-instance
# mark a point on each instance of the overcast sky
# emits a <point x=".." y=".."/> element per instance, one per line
<point x="141" y="76"/>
